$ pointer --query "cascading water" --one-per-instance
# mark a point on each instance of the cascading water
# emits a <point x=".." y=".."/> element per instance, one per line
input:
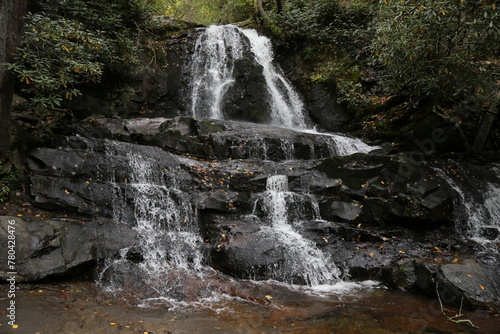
<point x="302" y="261"/>
<point x="213" y="62"/>
<point x="287" y="108"/>
<point x="477" y="201"/>
<point x="149" y="200"/>
<point x="212" y="67"/>
<point x="216" y="50"/>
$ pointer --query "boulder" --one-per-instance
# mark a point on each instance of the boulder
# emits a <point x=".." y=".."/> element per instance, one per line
<point x="49" y="247"/>
<point x="324" y="109"/>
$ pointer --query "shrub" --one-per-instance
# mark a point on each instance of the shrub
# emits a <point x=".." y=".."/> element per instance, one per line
<point x="8" y="178"/>
<point x="72" y="43"/>
<point x="434" y="51"/>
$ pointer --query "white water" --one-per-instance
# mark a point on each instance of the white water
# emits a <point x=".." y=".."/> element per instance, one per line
<point x="302" y="259"/>
<point x="212" y="75"/>
<point x="478" y="204"/>
<point x="165" y="222"/>
<point x="287" y="109"/>
<point x="212" y="68"/>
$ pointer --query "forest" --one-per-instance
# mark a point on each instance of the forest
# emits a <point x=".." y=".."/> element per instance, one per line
<point x="254" y="165"/>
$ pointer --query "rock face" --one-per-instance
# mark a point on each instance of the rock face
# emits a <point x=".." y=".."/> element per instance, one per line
<point x="47" y="247"/>
<point x="324" y="109"/>
<point x="377" y="216"/>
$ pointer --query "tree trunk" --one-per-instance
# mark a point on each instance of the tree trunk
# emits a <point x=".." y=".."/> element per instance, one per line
<point x="482" y="134"/>
<point x="279" y="6"/>
<point x="11" y="20"/>
<point x="261" y="13"/>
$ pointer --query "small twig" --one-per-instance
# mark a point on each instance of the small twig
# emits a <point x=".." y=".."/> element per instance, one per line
<point x="66" y="111"/>
<point x="452" y="319"/>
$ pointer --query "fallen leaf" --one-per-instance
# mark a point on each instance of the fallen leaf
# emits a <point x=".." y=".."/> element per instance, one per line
<point x="454" y="261"/>
<point x="269" y="297"/>
<point x="112" y="323"/>
<point x="469" y="275"/>
<point x="371" y="254"/>
<point x="481" y="287"/>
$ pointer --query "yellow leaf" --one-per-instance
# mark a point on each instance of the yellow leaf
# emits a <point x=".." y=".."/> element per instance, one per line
<point x="401" y="252"/>
<point x="112" y="323"/>
<point x="27" y="80"/>
<point x="325" y="239"/>
<point x="482" y="287"/>
<point x="15" y="326"/>
<point x="454" y="261"/>
<point x="469" y="275"/>
<point x="269" y="297"/>
<point x="223" y="235"/>
<point x="371" y="254"/>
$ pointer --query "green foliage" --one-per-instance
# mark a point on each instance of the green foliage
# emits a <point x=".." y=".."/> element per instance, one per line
<point x="8" y="178"/>
<point x="72" y="43"/>
<point x="435" y="51"/>
<point x="324" y="21"/>
<point x="203" y="11"/>
<point x="332" y="35"/>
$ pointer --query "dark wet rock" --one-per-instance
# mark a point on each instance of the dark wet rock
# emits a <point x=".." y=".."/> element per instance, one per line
<point x="401" y="274"/>
<point x="324" y="109"/>
<point x="473" y="282"/>
<point x="83" y="176"/>
<point x="245" y="99"/>
<point x="392" y="190"/>
<point x="212" y="139"/>
<point x="377" y="216"/>
<point x="49" y="247"/>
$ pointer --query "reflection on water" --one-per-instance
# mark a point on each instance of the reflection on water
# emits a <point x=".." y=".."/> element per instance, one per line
<point x="81" y="308"/>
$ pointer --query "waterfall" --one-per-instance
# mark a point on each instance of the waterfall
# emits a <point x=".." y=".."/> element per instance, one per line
<point x="287" y="108"/>
<point x="477" y="201"/>
<point x="213" y="62"/>
<point x="149" y="199"/>
<point x="212" y="66"/>
<point x="302" y="260"/>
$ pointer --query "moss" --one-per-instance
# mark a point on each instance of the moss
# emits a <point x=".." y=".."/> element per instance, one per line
<point x="209" y="126"/>
<point x="8" y="179"/>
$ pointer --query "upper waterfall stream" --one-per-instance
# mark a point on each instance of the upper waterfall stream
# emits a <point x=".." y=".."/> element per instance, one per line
<point x="216" y="51"/>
